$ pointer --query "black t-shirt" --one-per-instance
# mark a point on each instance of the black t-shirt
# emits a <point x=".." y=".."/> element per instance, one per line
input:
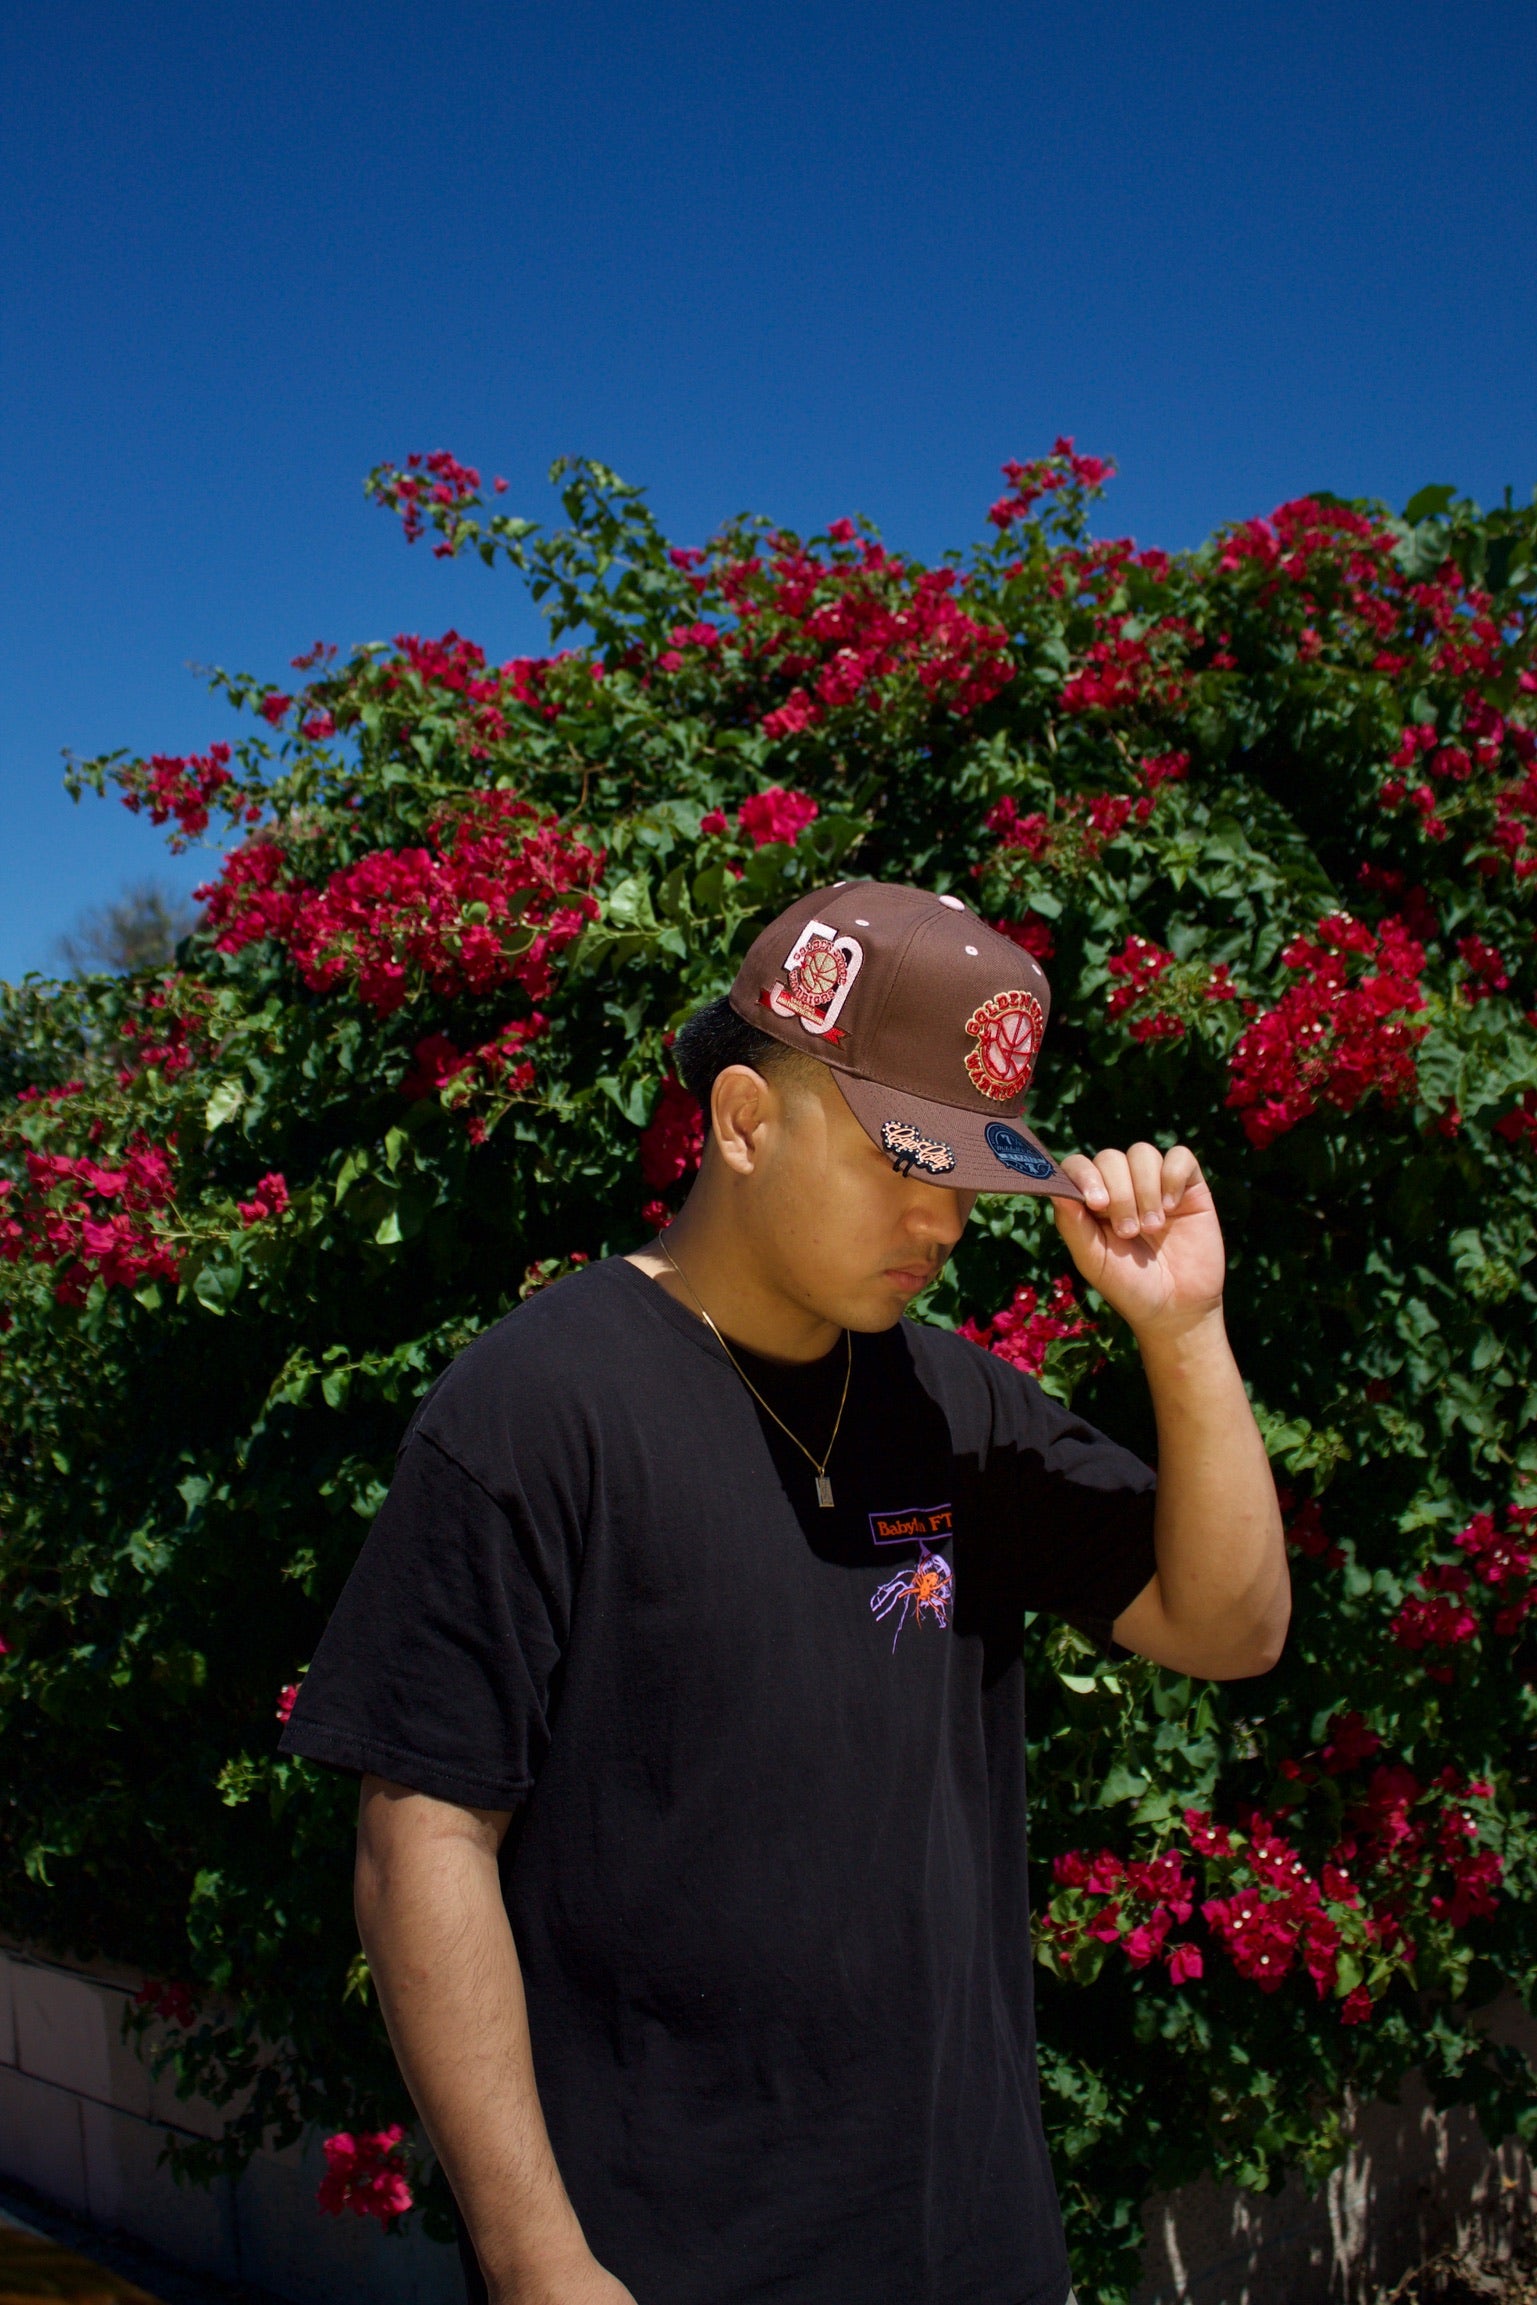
<point x="766" y="1870"/>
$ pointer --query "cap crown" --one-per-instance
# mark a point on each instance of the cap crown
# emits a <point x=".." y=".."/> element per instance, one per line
<point x="900" y="986"/>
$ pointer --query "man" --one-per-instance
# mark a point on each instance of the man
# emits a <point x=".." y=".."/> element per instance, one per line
<point x="683" y="1664"/>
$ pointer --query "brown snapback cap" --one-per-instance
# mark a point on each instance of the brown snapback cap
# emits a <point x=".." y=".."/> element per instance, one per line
<point x="930" y="1021"/>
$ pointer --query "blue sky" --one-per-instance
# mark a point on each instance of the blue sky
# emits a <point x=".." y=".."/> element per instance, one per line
<point x="805" y="259"/>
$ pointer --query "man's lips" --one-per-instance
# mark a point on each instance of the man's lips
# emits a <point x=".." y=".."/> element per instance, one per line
<point x="911" y="1277"/>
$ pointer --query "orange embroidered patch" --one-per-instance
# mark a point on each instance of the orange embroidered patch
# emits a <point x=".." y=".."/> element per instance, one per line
<point x="1007" y="1030"/>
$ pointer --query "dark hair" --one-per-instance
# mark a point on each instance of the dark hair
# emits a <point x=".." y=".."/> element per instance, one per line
<point x="716" y="1037"/>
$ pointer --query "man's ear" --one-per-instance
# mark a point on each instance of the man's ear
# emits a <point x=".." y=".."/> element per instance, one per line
<point x="740" y="1102"/>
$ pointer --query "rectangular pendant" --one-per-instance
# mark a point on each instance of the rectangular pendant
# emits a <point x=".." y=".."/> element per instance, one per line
<point x="824" y="1490"/>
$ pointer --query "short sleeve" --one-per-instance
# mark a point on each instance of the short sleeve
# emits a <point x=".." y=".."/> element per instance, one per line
<point x="1085" y="1513"/>
<point x="439" y="1661"/>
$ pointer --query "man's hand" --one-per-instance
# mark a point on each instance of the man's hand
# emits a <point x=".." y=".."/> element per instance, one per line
<point x="585" y="2283"/>
<point x="1145" y="1235"/>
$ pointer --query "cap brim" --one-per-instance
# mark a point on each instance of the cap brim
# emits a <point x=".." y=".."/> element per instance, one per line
<point x="946" y="1144"/>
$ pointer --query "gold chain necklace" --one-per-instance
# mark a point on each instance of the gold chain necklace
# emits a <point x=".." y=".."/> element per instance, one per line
<point x="824" y="1485"/>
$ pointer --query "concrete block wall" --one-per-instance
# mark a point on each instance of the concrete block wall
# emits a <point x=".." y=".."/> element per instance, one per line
<point x="83" y="2121"/>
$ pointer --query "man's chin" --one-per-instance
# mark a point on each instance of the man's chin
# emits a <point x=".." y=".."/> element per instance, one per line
<point x="877" y="1308"/>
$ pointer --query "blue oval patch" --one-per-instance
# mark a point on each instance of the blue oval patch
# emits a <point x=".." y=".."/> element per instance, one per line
<point x="1016" y="1152"/>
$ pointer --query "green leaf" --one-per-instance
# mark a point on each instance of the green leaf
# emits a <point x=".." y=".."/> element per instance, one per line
<point x="217" y="1285"/>
<point x="628" y="906"/>
<point x="1429" y="503"/>
<point x="223" y="1105"/>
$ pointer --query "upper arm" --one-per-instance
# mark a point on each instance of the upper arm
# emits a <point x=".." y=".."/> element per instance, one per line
<point x="398" y="1828"/>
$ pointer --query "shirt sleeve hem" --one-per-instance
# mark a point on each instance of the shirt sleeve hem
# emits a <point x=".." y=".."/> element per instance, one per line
<point x="368" y="1756"/>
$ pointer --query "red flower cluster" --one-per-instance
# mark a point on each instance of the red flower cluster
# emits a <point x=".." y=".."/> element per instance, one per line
<point x="428" y="481"/>
<point x="1267" y="1910"/>
<point x="499" y="1067"/>
<point x="1136" y="968"/>
<point x="90" y="1222"/>
<point x="1519" y="1127"/>
<point x="269" y="1200"/>
<point x="1348" y="1743"/>
<point x="1305" y="532"/>
<point x="775" y="815"/>
<point x="491" y="903"/>
<point x="1083" y="828"/>
<point x="1118" y="674"/>
<point x="672" y="1142"/>
<point x="1279" y="1918"/>
<point x="1028" y="483"/>
<point x="838" y="628"/>
<point x="1025" y="1331"/>
<point x="366" y="2174"/>
<point x="1163" y="768"/>
<point x="1441" y="1617"/>
<point x="171" y="1036"/>
<point x="1515" y="812"/>
<point x="1142" y="1901"/>
<point x="458" y="667"/>
<point x="682" y="636"/>
<point x="1031" y="833"/>
<point x="287" y="1699"/>
<point x="172" y="2004"/>
<point x="1136" y="972"/>
<point x="1487" y="972"/>
<point x="1332" y="1038"/>
<point x="1503" y="1560"/>
<point x="1032" y="935"/>
<point x="1442" y="1620"/>
<point x="1306" y="1532"/>
<point x="169" y="786"/>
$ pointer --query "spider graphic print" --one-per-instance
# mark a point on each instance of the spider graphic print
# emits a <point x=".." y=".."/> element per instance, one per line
<point x="927" y="1584"/>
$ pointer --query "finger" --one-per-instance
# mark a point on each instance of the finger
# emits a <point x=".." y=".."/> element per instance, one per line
<point x="1121" y="1211"/>
<point x="1181" y="1170"/>
<point x="1145" y="1163"/>
<point x="1083" y="1234"/>
<point x="1080" y="1170"/>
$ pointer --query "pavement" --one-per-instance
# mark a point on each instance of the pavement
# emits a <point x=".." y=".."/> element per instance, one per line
<point x="47" y="2255"/>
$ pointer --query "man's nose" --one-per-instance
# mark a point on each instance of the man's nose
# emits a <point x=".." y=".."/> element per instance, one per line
<point x="939" y="1214"/>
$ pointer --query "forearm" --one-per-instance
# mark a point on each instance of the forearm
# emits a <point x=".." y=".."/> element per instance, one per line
<point x="1223" y="1588"/>
<point x="441" y="1954"/>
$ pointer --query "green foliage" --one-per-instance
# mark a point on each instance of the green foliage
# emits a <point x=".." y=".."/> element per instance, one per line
<point x="403" y="1073"/>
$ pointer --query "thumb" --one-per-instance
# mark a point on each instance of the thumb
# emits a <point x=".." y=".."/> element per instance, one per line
<point x="1085" y="1244"/>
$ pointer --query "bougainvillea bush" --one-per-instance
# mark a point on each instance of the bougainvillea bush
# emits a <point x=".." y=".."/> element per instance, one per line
<point x="1268" y="813"/>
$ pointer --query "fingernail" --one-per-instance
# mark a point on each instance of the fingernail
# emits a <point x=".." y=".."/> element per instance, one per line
<point x="1128" y="1228"/>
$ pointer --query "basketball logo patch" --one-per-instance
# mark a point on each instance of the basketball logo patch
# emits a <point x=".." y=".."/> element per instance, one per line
<point x="1007" y="1031"/>
<point x="820" y="969"/>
